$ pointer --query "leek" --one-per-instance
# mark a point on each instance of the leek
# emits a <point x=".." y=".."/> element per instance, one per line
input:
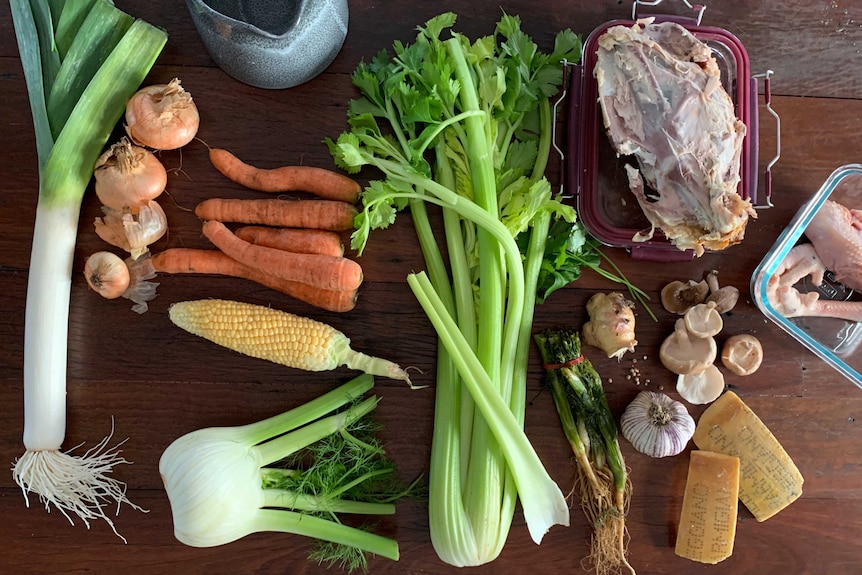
<point x="72" y="125"/>
<point x="221" y="486"/>
<point x="466" y="126"/>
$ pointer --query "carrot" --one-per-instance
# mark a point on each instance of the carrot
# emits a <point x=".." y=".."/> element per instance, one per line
<point x="331" y="215"/>
<point x="326" y="272"/>
<point x="299" y="240"/>
<point x="215" y="262"/>
<point x="318" y="181"/>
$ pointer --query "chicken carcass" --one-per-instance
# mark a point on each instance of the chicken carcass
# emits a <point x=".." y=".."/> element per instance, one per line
<point x="835" y="235"/>
<point x="662" y="101"/>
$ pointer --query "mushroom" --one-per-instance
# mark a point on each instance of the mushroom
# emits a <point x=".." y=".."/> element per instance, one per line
<point x="703" y="320"/>
<point x="683" y="353"/>
<point x="742" y="354"/>
<point x="612" y="324"/>
<point x="725" y="298"/>
<point x="702" y="387"/>
<point x="678" y="296"/>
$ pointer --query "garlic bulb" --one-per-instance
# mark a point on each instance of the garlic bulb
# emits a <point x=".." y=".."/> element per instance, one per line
<point x="656" y="425"/>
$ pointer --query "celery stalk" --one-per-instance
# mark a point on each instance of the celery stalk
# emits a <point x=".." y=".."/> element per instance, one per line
<point x="77" y="485"/>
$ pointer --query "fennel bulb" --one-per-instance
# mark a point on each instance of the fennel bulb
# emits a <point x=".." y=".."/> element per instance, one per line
<point x="221" y="488"/>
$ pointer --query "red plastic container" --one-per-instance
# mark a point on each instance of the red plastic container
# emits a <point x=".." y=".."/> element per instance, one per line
<point x="606" y="206"/>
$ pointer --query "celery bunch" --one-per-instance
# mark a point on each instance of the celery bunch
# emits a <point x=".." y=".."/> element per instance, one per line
<point x="466" y="126"/>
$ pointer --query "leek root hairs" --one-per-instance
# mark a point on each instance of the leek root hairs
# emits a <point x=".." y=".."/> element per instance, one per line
<point x="601" y="481"/>
<point x="77" y="485"/>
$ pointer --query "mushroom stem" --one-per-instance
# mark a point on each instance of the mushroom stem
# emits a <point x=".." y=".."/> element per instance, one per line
<point x="712" y="280"/>
<point x="683" y="336"/>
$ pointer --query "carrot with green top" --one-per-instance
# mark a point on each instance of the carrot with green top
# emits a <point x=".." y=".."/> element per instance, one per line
<point x="333" y="215"/>
<point x="326" y="272"/>
<point x="298" y="240"/>
<point x="318" y="181"/>
<point x="215" y="262"/>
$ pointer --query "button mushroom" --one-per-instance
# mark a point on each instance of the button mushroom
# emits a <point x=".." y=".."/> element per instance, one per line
<point x="678" y="296"/>
<point x="725" y="298"/>
<point x="742" y="354"/>
<point x="703" y="320"/>
<point x="683" y="353"/>
<point x="702" y="387"/>
<point x="612" y="324"/>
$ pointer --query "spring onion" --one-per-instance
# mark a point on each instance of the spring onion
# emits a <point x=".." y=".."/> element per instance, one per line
<point x="221" y="486"/>
<point x="589" y="426"/>
<point x="466" y="126"/>
<point x="77" y="86"/>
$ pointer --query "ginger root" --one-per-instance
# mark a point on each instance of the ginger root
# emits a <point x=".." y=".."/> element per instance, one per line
<point x="612" y="324"/>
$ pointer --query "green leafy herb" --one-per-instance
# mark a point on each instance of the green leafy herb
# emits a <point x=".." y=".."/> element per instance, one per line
<point x="568" y="250"/>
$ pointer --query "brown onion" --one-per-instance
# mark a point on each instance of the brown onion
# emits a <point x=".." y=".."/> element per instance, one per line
<point x="129" y="176"/>
<point x="162" y="116"/>
<point x="107" y="274"/>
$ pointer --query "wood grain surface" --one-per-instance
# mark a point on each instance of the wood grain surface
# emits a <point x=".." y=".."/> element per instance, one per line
<point x="153" y="382"/>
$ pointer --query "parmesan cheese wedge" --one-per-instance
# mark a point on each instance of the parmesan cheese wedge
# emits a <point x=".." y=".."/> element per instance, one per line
<point x="707" y="525"/>
<point x="769" y="480"/>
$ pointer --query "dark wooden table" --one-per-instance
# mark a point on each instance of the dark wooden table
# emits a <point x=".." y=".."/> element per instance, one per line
<point x="158" y="383"/>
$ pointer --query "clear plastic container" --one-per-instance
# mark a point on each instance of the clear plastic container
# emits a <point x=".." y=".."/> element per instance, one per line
<point x="834" y="340"/>
<point x="606" y="206"/>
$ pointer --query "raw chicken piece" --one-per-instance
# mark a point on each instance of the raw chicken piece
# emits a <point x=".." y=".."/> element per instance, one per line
<point x="662" y="101"/>
<point x="835" y="233"/>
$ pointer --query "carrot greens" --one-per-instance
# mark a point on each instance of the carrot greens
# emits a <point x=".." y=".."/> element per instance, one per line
<point x="465" y="127"/>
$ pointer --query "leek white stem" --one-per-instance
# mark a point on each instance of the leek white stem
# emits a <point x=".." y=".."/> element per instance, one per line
<point x="75" y="485"/>
<point x="46" y="326"/>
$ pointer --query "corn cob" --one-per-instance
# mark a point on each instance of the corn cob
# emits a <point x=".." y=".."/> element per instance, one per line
<point x="277" y="336"/>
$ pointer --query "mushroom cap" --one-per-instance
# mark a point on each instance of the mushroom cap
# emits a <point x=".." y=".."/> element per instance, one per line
<point x="703" y="320"/>
<point x="700" y="388"/>
<point x="725" y="298"/>
<point x="678" y="296"/>
<point x="742" y="354"/>
<point x="683" y="353"/>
